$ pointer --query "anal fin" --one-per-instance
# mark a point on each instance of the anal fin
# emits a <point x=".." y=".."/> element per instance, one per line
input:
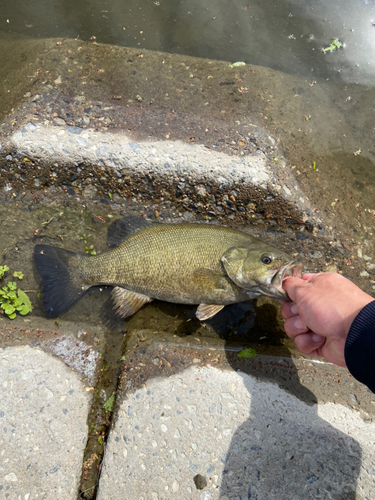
<point x="207" y="311"/>
<point x="127" y="303"/>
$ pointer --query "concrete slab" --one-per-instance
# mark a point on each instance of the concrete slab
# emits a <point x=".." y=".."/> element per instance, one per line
<point x="182" y="127"/>
<point x="166" y="158"/>
<point x="43" y="430"/>
<point x="90" y="354"/>
<point x="72" y="342"/>
<point x="208" y="432"/>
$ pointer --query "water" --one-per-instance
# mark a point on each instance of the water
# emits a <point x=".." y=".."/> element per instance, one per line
<point x="287" y="36"/>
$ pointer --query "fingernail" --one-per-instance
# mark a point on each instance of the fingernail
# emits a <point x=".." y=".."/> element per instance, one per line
<point x="317" y="338"/>
<point x="299" y="324"/>
<point x="294" y="309"/>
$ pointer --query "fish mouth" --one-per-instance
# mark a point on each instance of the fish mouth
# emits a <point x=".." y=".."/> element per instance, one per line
<point x="293" y="269"/>
<point x="275" y="288"/>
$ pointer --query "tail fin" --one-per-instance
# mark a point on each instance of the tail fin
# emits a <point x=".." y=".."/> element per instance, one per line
<point x="60" y="288"/>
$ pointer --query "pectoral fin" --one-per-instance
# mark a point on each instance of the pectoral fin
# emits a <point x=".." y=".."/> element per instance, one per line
<point x="209" y="280"/>
<point x="207" y="311"/>
<point x="127" y="303"/>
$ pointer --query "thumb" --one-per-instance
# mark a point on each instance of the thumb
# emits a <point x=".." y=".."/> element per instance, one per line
<point x="293" y="287"/>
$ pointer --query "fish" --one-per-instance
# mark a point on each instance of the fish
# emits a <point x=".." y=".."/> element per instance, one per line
<point x="185" y="263"/>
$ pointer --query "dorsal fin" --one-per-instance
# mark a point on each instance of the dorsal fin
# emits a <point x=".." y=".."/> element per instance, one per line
<point x="120" y="229"/>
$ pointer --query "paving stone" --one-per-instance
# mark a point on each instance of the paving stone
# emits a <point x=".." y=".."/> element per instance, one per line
<point x="247" y="438"/>
<point x="43" y="431"/>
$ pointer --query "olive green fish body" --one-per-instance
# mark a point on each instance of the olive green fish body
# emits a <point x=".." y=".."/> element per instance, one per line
<point x="176" y="263"/>
<point x="182" y="263"/>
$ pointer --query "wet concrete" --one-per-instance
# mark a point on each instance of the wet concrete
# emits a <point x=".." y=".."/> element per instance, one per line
<point x="266" y="122"/>
<point x="161" y="100"/>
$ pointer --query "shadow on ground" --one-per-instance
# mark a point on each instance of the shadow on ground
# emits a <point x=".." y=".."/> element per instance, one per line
<point x="285" y="450"/>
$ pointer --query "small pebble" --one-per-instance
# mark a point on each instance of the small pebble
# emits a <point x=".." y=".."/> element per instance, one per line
<point x="354" y="399"/>
<point x="316" y="254"/>
<point x="200" y="482"/>
<point x="59" y="121"/>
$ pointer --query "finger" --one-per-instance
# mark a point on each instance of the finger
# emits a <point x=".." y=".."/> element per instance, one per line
<point x="308" y="343"/>
<point x="293" y="286"/>
<point x="294" y="326"/>
<point x="288" y="310"/>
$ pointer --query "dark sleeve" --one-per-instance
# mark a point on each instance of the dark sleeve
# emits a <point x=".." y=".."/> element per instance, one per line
<point x="360" y="347"/>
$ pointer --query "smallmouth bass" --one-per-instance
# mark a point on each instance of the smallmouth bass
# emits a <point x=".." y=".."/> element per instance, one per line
<point x="208" y="265"/>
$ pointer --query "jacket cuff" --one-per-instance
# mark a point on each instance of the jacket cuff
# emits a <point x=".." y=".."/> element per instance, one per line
<point x="360" y="347"/>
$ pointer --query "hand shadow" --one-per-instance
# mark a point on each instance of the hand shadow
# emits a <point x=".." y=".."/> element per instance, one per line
<point x="285" y="450"/>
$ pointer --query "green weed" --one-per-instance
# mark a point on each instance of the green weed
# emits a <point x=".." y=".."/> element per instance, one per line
<point x="3" y="270"/>
<point x="109" y="404"/>
<point x="13" y="300"/>
<point x="88" y="248"/>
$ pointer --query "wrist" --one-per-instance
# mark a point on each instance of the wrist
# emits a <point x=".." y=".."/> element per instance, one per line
<point x="356" y="307"/>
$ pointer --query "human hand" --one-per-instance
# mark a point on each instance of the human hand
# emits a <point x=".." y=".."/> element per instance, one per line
<point x="323" y="309"/>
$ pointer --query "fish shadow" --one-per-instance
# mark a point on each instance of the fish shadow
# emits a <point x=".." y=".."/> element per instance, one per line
<point x="233" y="320"/>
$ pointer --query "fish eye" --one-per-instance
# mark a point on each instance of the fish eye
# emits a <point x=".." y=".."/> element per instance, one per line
<point x="266" y="259"/>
